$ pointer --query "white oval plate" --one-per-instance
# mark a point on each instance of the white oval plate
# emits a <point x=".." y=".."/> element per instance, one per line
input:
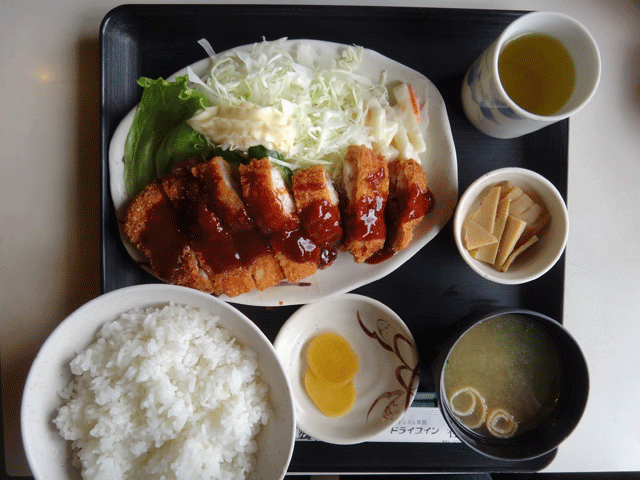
<point x="439" y="162"/>
<point x="381" y="400"/>
<point x="49" y="455"/>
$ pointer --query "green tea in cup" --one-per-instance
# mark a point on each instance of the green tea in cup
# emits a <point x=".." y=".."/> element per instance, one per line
<point x="537" y="72"/>
<point x="543" y="68"/>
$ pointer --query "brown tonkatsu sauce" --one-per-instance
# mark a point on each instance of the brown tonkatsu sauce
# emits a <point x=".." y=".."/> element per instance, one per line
<point x="380" y="256"/>
<point x="250" y="245"/>
<point x="321" y="221"/>
<point x="162" y="238"/>
<point x="296" y="245"/>
<point x="188" y="218"/>
<point x="174" y="226"/>
<point x="210" y="238"/>
<point x="409" y="204"/>
<point x="319" y="217"/>
<point x="367" y="222"/>
<point x="188" y="221"/>
<point x="328" y="255"/>
<point x="402" y="207"/>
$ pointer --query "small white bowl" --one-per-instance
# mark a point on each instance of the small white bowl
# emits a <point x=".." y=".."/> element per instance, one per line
<point x="49" y="455"/>
<point x="386" y="352"/>
<point x="543" y="254"/>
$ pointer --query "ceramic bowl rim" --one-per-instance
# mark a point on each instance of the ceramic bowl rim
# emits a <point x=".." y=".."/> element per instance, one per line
<point x="465" y="202"/>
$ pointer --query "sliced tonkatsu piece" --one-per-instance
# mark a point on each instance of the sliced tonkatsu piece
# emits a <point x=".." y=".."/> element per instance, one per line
<point x="366" y="188"/>
<point x="177" y="182"/>
<point x="408" y="203"/>
<point x="273" y="210"/>
<point x="296" y="253"/>
<point x="267" y="198"/>
<point x="223" y="197"/>
<point x="140" y="212"/>
<point x="189" y="272"/>
<point x="186" y="243"/>
<point x="317" y="203"/>
<point x="217" y="253"/>
<point x="265" y="268"/>
<point x="152" y="225"/>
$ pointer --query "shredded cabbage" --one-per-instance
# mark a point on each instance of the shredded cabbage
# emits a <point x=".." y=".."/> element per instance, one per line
<point x="324" y="97"/>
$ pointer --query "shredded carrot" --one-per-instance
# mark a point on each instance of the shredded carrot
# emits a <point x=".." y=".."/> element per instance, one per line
<point x="414" y="103"/>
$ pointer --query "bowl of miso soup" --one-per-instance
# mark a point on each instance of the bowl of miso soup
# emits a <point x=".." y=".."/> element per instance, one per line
<point x="512" y="384"/>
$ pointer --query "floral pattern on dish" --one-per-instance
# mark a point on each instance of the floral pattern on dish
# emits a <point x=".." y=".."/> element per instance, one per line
<point x="393" y="342"/>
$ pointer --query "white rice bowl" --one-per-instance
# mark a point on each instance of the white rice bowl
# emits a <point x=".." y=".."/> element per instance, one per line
<point x="179" y="389"/>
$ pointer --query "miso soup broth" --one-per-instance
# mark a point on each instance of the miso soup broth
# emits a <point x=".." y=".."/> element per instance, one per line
<point x="502" y="376"/>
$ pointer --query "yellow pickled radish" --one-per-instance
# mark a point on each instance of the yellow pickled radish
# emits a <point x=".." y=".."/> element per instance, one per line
<point x="332" y="401"/>
<point x="332" y="359"/>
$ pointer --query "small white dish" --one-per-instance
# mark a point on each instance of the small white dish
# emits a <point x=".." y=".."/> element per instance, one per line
<point x="388" y="374"/>
<point x="543" y="254"/>
<point x="49" y="455"/>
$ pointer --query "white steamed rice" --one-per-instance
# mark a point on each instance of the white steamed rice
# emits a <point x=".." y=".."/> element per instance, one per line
<point x="164" y="393"/>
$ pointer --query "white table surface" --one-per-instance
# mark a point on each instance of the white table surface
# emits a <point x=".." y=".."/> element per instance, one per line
<point x="49" y="193"/>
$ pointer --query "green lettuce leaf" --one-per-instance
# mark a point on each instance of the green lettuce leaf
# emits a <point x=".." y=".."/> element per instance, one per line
<point x="179" y="144"/>
<point x="159" y="137"/>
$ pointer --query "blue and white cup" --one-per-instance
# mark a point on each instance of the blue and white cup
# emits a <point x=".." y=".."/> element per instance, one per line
<point x="485" y="101"/>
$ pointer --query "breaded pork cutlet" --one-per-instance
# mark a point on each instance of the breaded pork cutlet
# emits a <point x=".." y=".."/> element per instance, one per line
<point x="185" y="242"/>
<point x="212" y="242"/>
<point x="152" y="225"/>
<point x="224" y="199"/>
<point x="408" y="202"/>
<point x="217" y="253"/>
<point x="267" y="198"/>
<point x="272" y="208"/>
<point x="218" y="177"/>
<point x="297" y="254"/>
<point x="318" y="206"/>
<point x="366" y="189"/>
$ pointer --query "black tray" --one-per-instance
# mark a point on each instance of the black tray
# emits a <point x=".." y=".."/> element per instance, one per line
<point x="429" y="292"/>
